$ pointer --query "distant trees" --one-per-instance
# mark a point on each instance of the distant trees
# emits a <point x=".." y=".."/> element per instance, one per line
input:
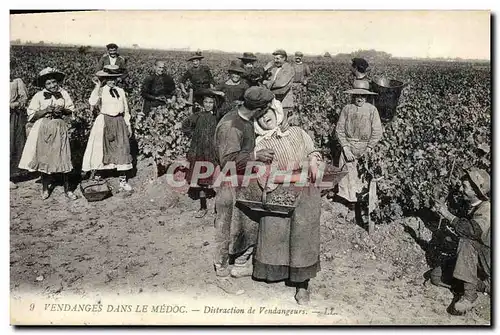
<point x="83" y="49"/>
<point x="372" y="55"/>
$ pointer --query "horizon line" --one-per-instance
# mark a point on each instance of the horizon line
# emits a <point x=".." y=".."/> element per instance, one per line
<point x="184" y="49"/>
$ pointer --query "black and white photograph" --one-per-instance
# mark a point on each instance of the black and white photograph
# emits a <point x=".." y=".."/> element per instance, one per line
<point x="250" y="167"/>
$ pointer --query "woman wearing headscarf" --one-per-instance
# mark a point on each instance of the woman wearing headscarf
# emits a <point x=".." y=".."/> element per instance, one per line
<point x="18" y="100"/>
<point x="108" y="146"/>
<point x="288" y="247"/>
<point x="47" y="148"/>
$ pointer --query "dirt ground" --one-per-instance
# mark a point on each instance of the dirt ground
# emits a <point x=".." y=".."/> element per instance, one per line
<point x="149" y="242"/>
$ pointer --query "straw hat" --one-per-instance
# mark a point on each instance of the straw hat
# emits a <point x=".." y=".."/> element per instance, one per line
<point x="249" y="57"/>
<point x="196" y="55"/>
<point x="110" y="71"/>
<point x="48" y="73"/>
<point x="481" y="180"/>
<point x="361" y="87"/>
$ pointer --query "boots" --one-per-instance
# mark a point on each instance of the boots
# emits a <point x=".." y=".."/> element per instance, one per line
<point x="124" y="185"/>
<point x="225" y="282"/>
<point x="67" y="190"/>
<point x="468" y="300"/>
<point x="243" y="265"/>
<point x="45" y="186"/>
<point x="302" y="295"/>
<point x="203" y="206"/>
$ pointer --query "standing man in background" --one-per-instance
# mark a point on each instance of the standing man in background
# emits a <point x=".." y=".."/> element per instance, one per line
<point x="282" y="75"/>
<point x="112" y="58"/>
<point x="157" y="88"/>
<point x="302" y="70"/>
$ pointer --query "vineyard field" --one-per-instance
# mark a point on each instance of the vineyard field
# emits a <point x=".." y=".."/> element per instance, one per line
<point x="442" y="127"/>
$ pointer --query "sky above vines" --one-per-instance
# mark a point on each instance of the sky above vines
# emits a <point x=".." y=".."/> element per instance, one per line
<point x="464" y="34"/>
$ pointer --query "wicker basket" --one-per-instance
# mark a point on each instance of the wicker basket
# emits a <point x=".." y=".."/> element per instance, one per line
<point x="95" y="190"/>
<point x="333" y="174"/>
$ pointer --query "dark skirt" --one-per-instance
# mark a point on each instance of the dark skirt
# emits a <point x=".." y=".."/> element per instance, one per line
<point x="18" y="122"/>
<point x="116" y="144"/>
<point x="288" y="248"/>
<point x="202" y="148"/>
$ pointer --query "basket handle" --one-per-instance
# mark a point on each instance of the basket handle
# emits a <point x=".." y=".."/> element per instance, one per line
<point x="264" y="192"/>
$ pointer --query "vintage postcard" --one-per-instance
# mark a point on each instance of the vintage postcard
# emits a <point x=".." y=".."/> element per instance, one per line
<point x="250" y="168"/>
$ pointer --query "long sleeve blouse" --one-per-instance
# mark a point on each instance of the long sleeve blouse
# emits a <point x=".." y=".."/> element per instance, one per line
<point x="43" y="99"/>
<point x="109" y="104"/>
<point x="359" y="124"/>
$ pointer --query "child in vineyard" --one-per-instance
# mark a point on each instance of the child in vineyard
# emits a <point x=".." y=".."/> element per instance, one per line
<point x="234" y="89"/>
<point x="108" y="146"/>
<point x="47" y="147"/>
<point x="474" y="231"/>
<point x="200" y="127"/>
<point x="358" y="131"/>
<point x="288" y="248"/>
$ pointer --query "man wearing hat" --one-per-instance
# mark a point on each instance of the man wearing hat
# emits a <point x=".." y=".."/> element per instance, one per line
<point x="198" y="75"/>
<point x="281" y="79"/>
<point x="236" y="230"/>
<point x="302" y="70"/>
<point x="473" y="265"/>
<point x="233" y="89"/>
<point x="253" y="74"/>
<point x="157" y="88"/>
<point x="112" y="58"/>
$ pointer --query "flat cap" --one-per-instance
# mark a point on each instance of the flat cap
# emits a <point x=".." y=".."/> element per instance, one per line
<point x="280" y="52"/>
<point x="257" y="97"/>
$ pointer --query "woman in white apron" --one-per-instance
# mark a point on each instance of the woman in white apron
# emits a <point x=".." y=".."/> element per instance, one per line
<point x="47" y="148"/>
<point x="108" y="146"/>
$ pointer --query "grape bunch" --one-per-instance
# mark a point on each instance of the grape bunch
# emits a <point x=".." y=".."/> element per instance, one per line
<point x="282" y="196"/>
